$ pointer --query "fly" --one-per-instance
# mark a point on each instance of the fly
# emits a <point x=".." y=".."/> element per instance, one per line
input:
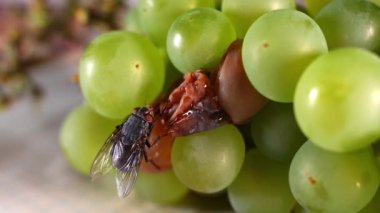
<point x="124" y="150"/>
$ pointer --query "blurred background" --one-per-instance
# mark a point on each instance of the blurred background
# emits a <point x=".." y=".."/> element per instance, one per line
<point x="38" y="31"/>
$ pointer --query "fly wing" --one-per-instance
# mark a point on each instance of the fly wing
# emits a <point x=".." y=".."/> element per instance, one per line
<point x="103" y="160"/>
<point x="198" y="119"/>
<point x="126" y="176"/>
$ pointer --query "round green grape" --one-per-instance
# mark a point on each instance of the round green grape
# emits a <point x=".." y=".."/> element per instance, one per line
<point x="243" y="13"/>
<point x="120" y="71"/>
<point x="261" y="186"/>
<point x="275" y="52"/>
<point x="162" y="187"/>
<point x="276" y="133"/>
<point x="209" y="161"/>
<point x="198" y="39"/>
<point x="337" y="100"/>
<point x="330" y="182"/>
<point x="157" y="16"/>
<point x="82" y="135"/>
<point x="351" y="23"/>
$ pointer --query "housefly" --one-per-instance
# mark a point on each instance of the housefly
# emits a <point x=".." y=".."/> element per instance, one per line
<point x="190" y="108"/>
<point x="124" y="150"/>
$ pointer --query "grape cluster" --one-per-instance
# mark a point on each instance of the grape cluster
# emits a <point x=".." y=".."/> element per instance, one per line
<point x="306" y="83"/>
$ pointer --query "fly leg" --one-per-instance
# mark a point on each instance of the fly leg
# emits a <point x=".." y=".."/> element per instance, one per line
<point x="148" y="144"/>
<point x="158" y="138"/>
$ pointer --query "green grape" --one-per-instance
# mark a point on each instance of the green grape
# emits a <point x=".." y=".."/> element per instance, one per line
<point x="161" y="187"/>
<point x="324" y="181"/>
<point x="351" y="23"/>
<point x="275" y="52"/>
<point x="198" y="39"/>
<point x="243" y="13"/>
<point x="374" y="205"/>
<point x="157" y="16"/>
<point x="261" y="186"/>
<point x="314" y="6"/>
<point x="276" y="133"/>
<point x="120" y="71"/>
<point x="337" y="100"/>
<point x="209" y="161"/>
<point x="82" y="135"/>
<point x="132" y="22"/>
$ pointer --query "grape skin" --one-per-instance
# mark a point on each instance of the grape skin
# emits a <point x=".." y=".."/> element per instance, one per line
<point x="330" y="182"/>
<point x="119" y="71"/>
<point x="82" y="135"/>
<point x="209" y="161"/>
<point x="261" y="186"/>
<point x="163" y="187"/>
<point x="274" y="63"/>
<point x="337" y="100"/>
<point x="198" y="39"/>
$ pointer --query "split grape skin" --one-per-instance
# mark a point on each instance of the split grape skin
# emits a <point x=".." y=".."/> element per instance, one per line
<point x="228" y="93"/>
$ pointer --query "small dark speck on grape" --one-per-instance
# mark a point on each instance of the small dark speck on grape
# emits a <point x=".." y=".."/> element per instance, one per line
<point x="137" y="66"/>
<point x="265" y="45"/>
<point x="312" y="181"/>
